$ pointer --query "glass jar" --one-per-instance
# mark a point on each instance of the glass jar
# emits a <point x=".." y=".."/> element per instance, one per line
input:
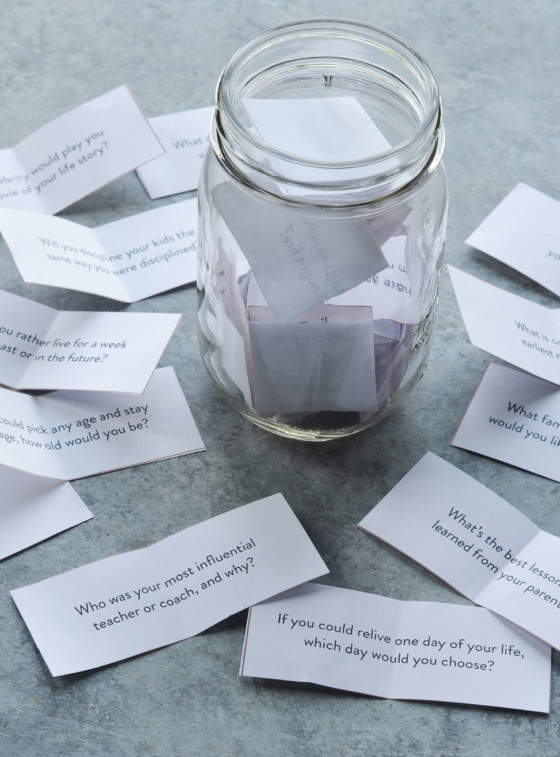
<point x="322" y="216"/>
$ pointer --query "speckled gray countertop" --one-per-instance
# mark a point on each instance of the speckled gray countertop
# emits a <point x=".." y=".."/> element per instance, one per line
<point x="497" y="65"/>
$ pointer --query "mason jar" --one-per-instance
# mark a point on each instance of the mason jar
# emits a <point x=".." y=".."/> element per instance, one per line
<point x="322" y="217"/>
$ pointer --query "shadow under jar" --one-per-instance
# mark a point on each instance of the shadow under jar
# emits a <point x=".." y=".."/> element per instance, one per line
<point x="322" y="217"/>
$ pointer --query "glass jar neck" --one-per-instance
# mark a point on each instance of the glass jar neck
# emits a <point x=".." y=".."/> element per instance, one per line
<point x="331" y="58"/>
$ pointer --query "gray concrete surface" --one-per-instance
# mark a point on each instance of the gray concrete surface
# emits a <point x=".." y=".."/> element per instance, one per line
<point x="497" y="63"/>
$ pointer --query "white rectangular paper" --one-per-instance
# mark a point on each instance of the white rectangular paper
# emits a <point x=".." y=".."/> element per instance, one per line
<point x="44" y="348"/>
<point x="476" y="541"/>
<point x="514" y="329"/>
<point x="299" y="259"/>
<point x="384" y="647"/>
<point x="33" y="508"/>
<point x="228" y="361"/>
<point x="374" y="373"/>
<point x="393" y="347"/>
<point x="523" y="231"/>
<point x="68" y="435"/>
<point x="126" y="260"/>
<point x="185" y="137"/>
<point x="333" y="129"/>
<point x="514" y="417"/>
<point x="326" y="363"/>
<point x="131" y="603"/>
<point x="389" y="293"/>
<point x="77" y="153"/>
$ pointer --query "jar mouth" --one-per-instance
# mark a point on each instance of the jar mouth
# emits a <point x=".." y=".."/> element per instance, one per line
<point x="325" y="58"/>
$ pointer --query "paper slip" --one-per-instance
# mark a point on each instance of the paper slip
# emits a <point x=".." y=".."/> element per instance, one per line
<point x="33" y="508"/>
<point x="222" y="319"/>
<point x="324" y="364"/>
<point x="185" y="137"/>
<point x="514" y="329"/>
<point x="44" y="348"/>
<point x="176" y="588"/>
<point x="523" y="231"/>
<point x="68" y="435"/>
<point x="393" y="347"/>
<point x="389" y="293"/>
<point x="299" y="260"/>
<point x="126" y="260"/>
<point x="388" y="648"/>
<point x="515" y="418"/>
<point x="227" y="362"/>
<point x="77" y="153"/>
<point x="477" y="542"/>
<point x="333" y="129"/>
<point x="368" y="358"/>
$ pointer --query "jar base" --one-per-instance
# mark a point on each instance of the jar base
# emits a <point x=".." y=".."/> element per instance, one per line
<point x="317" y="427"/>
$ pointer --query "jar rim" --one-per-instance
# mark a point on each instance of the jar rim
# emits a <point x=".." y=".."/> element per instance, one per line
<point x="413" y="153"/>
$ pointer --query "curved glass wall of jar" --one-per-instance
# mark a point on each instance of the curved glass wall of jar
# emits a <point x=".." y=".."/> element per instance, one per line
<point x="323" y="205"/>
